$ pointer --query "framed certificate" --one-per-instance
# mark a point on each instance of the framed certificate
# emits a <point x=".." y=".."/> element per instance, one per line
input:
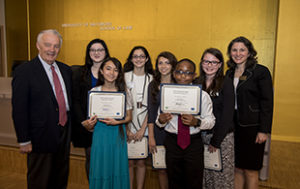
<point x="138" y="149"/>
<point x="107" y="104"/>
<point x="180" y="99"/>
<point x="159" y="158"/>
<point x="212" y="161"/>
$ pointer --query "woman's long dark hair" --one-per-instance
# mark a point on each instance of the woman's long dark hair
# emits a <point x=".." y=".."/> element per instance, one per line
<point x="119" y="83"/>
<point x="217" y="82"/>
<point x="157" y="75"/>
<point x="251" y="60"/>
<point x="128" y="66"/>
<point x="88" y="60"/>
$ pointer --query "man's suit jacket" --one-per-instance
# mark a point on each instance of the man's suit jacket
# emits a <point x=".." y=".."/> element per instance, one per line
<point x="35" y="109"/>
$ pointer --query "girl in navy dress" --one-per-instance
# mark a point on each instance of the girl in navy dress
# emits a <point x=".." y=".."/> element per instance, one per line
<point x="164" y="67"/>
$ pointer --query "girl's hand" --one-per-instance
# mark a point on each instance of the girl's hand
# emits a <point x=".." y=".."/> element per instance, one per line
<point x="109" y="121"/>
<point x="130" y="136"/>
<point x="89" y="124"/>
<point x="189" y="120"/>
<point x="139" y="134"/>
<point x="212" y="149"/>
<point x="152" y="145"/>
<point x="164" y="118"/>
<point x="261" y="138"/>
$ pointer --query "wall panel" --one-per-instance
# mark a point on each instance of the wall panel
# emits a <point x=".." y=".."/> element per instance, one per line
<point x="287" y="69"/>
<point x="184" y="28"/>
<point x="16" y="32"/>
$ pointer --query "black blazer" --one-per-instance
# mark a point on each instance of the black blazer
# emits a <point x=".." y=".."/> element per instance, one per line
<point x="35" y="109"/>
<point x="254" y="95"/>
<point x="82" y="83"/>
<point x="223" y="109"/>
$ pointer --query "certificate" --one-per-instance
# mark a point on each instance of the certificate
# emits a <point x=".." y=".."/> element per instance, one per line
<point x="213" y="160"/>
<point x="138" y="149"/>
<point x="180" y="99"/>
<point x="159" y="158"/>
<point x="107" y="104"/>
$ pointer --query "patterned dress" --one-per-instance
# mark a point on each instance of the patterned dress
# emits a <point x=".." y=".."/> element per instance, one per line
<point x="221" y="136"/>
<point x="225" y="178"/>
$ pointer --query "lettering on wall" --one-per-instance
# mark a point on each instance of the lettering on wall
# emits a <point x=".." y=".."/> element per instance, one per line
<point x="103" y="26"/>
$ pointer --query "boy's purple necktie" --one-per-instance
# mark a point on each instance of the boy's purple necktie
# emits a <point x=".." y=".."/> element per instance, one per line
<point x="183" y="135"/>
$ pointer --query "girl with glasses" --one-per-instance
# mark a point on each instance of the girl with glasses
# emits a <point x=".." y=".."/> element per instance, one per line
<point x="84" y="78"/>
<point x="138" y="74"/>
<point x="221" y="135"/>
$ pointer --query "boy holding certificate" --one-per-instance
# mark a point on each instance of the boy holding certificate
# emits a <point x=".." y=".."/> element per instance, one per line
<point x="184" y="146"/>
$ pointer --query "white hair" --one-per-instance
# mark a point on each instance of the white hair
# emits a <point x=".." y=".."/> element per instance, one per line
<point x="52" y="31"/>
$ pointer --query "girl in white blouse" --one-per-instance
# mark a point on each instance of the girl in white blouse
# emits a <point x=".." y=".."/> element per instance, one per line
<point x="138" y="74"/>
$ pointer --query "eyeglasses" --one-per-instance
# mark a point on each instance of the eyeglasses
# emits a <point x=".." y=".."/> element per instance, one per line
<point x="206" y="62"/>
<point x="136" y="56"/>
<point x="187" y="73"/>
<point x="96" y="50"/>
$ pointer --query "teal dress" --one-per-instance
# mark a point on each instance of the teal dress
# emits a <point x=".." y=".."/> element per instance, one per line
<point x="109" y="159"/>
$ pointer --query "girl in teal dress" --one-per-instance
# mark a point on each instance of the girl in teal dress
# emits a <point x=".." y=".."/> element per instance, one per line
<point x="109" y="159"/>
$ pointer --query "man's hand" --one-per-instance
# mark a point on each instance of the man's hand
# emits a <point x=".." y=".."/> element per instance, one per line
<point x="25" y="149"/>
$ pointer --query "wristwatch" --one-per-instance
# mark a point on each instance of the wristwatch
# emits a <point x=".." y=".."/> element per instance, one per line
<point x="198" y="122"/>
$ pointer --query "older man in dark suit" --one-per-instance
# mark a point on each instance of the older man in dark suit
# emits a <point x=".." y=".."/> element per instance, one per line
<point x="41" y="102"/>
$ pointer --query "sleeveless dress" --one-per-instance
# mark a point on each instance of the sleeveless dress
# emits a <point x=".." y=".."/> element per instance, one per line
<point x="109" y="157"/>
<point x="138" y="114"/>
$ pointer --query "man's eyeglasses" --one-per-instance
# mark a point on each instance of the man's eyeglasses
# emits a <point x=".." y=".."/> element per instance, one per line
<point x="187" y="73"/>
<point x="214" y="63"/>
<point x="96" y="50"/>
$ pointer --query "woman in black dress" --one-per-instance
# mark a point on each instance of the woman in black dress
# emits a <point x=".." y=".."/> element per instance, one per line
<point x="85" y="78"/>
<point x="253" y="110"/>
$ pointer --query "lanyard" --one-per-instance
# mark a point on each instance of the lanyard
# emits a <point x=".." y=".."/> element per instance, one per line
<point x="144" y="86"/>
